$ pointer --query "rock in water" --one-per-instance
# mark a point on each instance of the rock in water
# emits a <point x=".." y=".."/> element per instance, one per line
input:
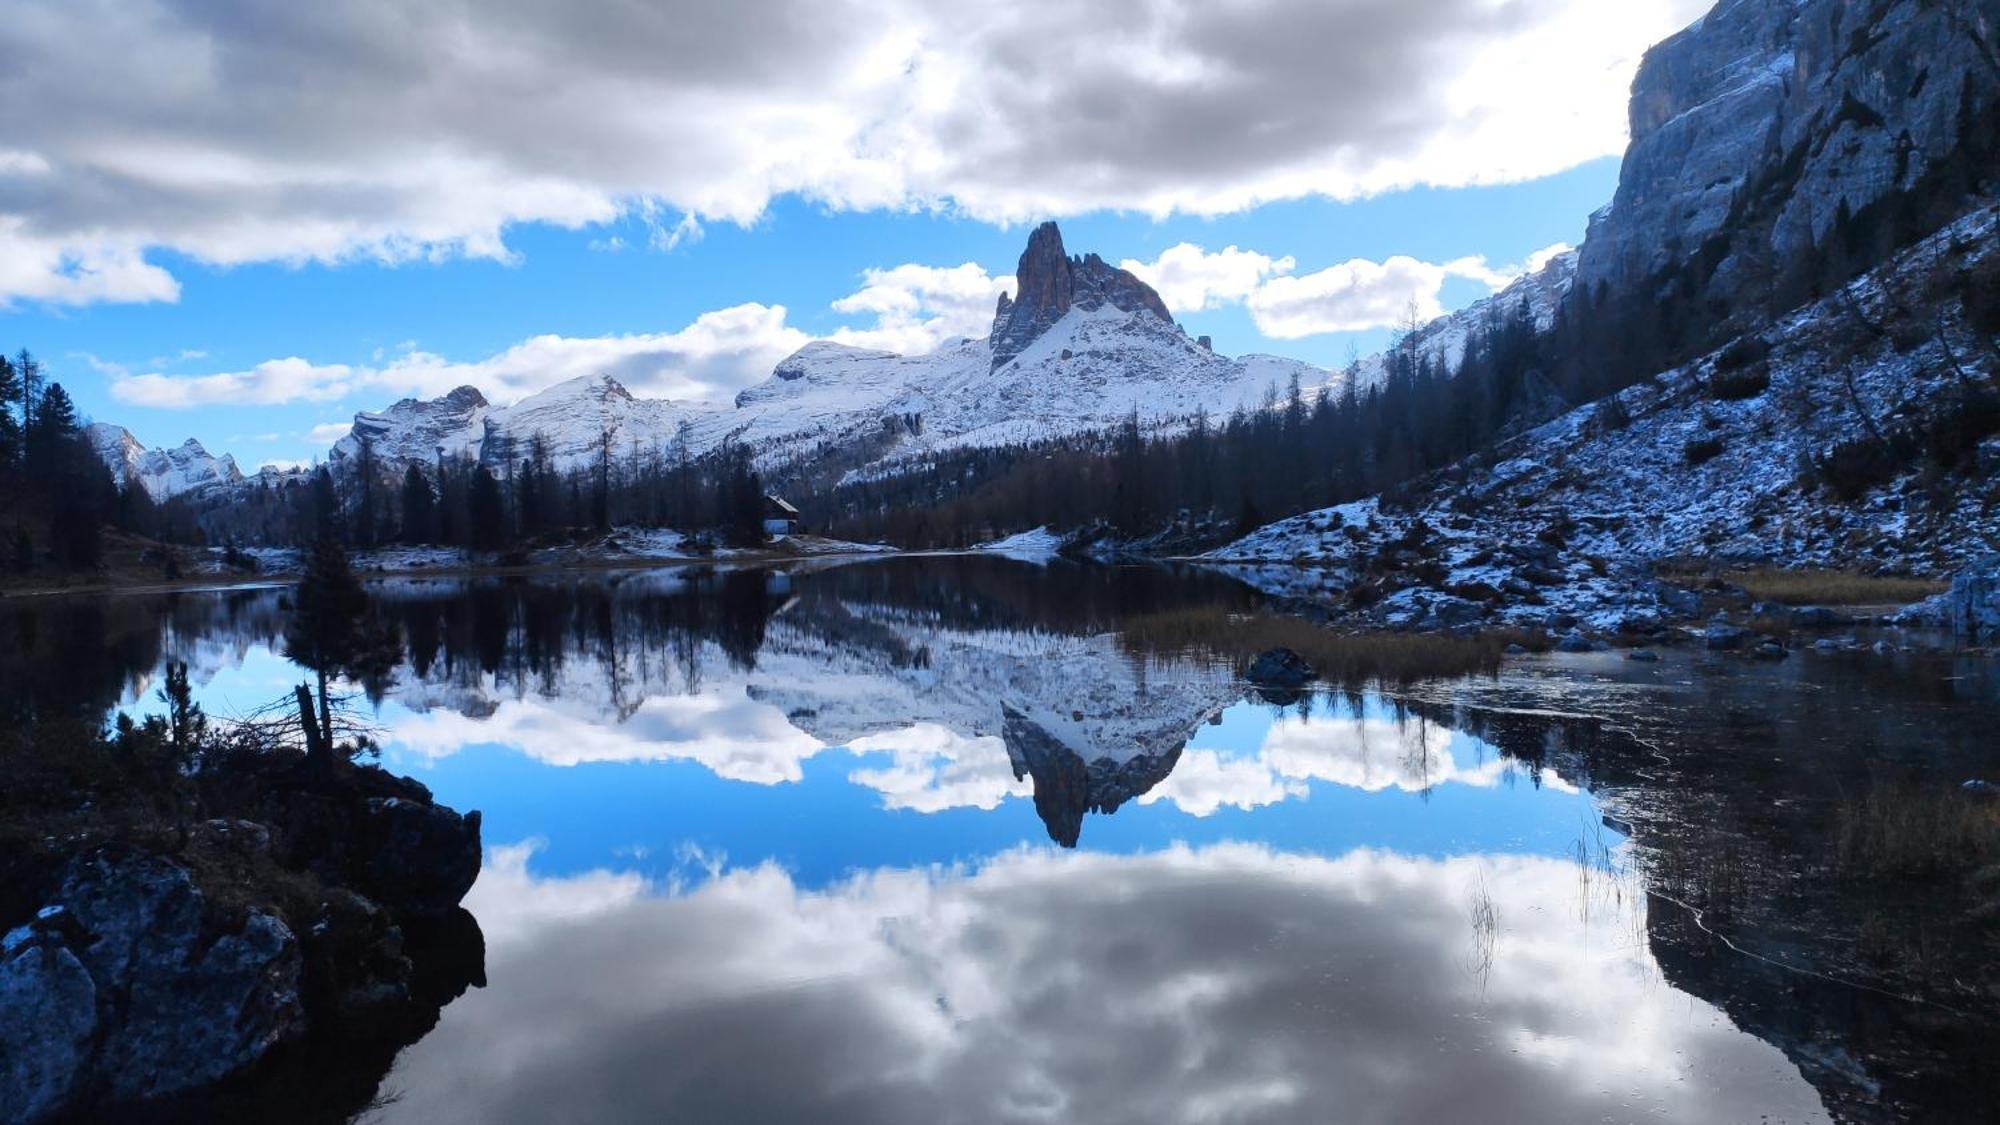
<point x="1973" y="605"/>
<point x="1281" y="668"/>
<point x="1049" y="283"/>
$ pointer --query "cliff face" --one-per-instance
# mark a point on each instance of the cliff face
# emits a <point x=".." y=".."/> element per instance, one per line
<point x="1780" y="146"/>
<point x="1048" y="283"/>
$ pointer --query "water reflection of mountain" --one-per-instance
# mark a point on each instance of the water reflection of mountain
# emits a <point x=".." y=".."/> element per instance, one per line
<point x="1015" y="666"/>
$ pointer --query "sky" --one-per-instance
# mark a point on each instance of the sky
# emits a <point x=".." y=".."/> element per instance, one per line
<point x="244" y="220"/>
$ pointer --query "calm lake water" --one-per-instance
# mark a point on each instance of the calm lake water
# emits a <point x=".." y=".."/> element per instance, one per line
<point x="934" y="840"/>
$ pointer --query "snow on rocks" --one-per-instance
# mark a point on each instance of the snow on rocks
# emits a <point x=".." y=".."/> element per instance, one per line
<point x="1560" y="526"/>
<point x="1037" y="546"/>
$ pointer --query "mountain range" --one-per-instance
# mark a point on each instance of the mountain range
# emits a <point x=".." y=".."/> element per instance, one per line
<point x="1080" y="347"/>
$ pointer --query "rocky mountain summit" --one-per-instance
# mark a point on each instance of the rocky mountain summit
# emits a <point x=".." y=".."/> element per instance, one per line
<point x="415" y="430"/>
<point x="161" y="472"/>
<point x="1049" y="284"/>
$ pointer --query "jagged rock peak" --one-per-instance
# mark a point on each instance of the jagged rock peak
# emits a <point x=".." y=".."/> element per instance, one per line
<point x="1048" y="283"/>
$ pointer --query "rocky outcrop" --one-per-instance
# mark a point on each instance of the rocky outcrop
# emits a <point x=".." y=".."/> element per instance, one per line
<point x="1048" y="284"/>
<point x="311" y="944"/>
<point x="134" y="985"/>
<point x="1972" y="608"/>
<point x="1780" y="144"/>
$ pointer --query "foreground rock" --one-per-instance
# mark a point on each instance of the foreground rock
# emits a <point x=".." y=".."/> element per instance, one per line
<point x="1972" y="608"/>
<point x="202" y="976"/>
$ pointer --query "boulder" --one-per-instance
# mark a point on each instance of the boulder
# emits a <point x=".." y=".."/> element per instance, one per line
<point x="1972" y="608"/>
<point x="1281" y="668"/>
<point x="1720" y="637"/>
<point x="1819" y="617"/>
<point x="1643" y="656"/>
<point x="1575" y="642"/>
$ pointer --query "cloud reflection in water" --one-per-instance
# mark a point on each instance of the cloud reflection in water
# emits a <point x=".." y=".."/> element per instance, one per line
<point x="1230" y="983"/>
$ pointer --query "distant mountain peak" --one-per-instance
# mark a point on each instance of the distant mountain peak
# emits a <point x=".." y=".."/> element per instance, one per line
<point x="1048" y="284"/>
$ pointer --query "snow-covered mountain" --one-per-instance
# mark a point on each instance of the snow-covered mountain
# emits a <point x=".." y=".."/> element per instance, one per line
<point x="1084" y="347"/>
<point x="161" y="472"/>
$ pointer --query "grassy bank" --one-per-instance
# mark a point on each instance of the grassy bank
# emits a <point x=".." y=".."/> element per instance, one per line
<point x="1811" y="587"/>
<point x="1341" y="658"/>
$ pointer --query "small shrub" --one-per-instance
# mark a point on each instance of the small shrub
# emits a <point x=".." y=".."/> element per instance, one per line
<point x="1982" y="295"/>
<point x="1736" y="386"/>
<point x="1852" y="469"/>
<point x="1611" y="415"/>
<point x="1701" y="450"/>
<point x="1746" y="352"/>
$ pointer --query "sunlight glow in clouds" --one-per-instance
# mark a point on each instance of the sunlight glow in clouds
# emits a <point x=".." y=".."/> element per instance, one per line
<point x="412" y="131"/>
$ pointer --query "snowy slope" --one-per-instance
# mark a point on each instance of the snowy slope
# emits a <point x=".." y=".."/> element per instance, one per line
<point x="1564" y="518"/>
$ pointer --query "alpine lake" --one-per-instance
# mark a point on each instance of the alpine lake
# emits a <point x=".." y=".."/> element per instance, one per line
<point x="964" y="839"/>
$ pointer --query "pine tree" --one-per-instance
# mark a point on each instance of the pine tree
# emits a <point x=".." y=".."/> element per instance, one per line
<point x="488" y="511"/>
<point x="419" y="507"/>
<point x="10" y="426"/>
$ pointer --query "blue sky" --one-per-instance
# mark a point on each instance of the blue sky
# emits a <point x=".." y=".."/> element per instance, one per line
<point x="318" y="211"/>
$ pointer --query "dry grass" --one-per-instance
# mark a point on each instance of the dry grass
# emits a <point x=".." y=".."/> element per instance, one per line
<point x="1832" y="587"/>
<point x="1341" y="658"/>
<point x="1905" y="831"/>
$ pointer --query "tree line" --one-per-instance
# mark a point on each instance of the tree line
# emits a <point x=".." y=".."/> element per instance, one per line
<point x="56" y="495"/>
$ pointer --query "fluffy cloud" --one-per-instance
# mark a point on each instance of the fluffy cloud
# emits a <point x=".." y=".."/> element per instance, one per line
<point x="1227" y="983"/>
<point x="932" y="768"/>
<point x="396" y="131"/>
<point x="723" y="730"/>
<point x="1358" y="295"/>
<point x="1353" y="296"/>
<point x="717" y="354"/>
<point x="1191" y="279"/>
<point x="917" y="307"/>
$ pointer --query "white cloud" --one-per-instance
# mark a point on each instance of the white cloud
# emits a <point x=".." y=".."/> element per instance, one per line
<point x="1360" y="294"/>
<point x="717" y="354"/>
<point x="918" y="307"/>
<point x="75" y="272"/>
<point x="270" y="383"/>
<point x="399" y="131"/>
<point x="724" y="730"/>
<point x="326" y="433"/>
<point x="1190" y="279"/>
<point x="1204" y="781"/>
<point x="933" y="768"/>
<point x="1353" y="296"/>
<point x="910" y="309"/>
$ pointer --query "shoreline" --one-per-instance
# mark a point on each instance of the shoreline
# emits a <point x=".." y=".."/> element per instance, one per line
<point x="216" y="583"/>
